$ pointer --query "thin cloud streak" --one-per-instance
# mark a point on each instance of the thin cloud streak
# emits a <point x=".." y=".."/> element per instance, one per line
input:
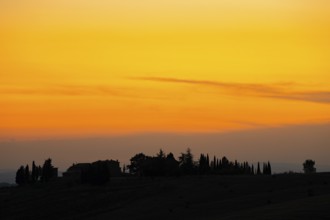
<point x="318" y="97"/>
<point x="276" y="90"/>
<point x="64" y="90"/>
<point x="235" y="86"/>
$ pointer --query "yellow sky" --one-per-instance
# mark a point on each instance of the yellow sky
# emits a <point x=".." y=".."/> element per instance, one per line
<point x="80" y="67"/>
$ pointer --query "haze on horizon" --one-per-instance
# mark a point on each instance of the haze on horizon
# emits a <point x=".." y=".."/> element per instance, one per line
<point x="80" y="69"/>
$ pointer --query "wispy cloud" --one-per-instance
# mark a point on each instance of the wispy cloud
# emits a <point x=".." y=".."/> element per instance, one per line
<point x="63" y="90"/>
<point x="275" y="90"/>
<point x="311" y="96"/>
<point x="76" y="90"/>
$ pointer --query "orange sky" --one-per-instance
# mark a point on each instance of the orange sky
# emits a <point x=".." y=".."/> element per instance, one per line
<point x="86" y="68"/>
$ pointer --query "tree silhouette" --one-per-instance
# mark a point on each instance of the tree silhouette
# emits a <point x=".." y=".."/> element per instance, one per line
<point x="258" y="169"/>
<point x="172" y="166"/>
<point x="224" y="166"/>
<point x="159" y="165"/>
<point x="269" y="168"/>
<point x="214" y="164"/>
<point x="34" y="173"/>
<point x="161" y="154"/>
<point x="47" y="171"/>
<point x="309" y="166"/>
<point x="124" y="168"/>
<point x="186" y="162"/>
<point x="20" y="176"/>
<point x="27" y="174"/>
<point x="204" y="165"/>
<point x="225" y="162"/>
<point x="137" y="162"/>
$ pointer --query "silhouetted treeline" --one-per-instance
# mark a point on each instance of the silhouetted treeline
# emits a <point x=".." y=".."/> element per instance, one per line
<point x="167" y="165"/>
<point x="37" y="173"/>
<point x="226" y="167"/>
<point x="161" y="164"/>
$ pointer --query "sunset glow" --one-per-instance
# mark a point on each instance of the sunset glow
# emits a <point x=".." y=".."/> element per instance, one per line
<point x="93" y="68"/>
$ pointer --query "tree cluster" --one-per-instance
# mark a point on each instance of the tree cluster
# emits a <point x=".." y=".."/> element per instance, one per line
<point x="159" y="165"/>
<point x="226" y="167"/>
<point x="267" y="169"/>
<point x="309" y="166"/>
<point x="223" y="166"/>
<point x="26" y="176"/>
<point x="167" y="165"/>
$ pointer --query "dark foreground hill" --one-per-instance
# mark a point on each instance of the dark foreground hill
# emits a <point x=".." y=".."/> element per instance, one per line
<point x="295" y="196"/>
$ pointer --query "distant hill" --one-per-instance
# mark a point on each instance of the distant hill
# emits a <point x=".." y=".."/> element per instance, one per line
<point x="7" y="176"/>
<point x="285" y="196"/>
<point x="6" y="185"/>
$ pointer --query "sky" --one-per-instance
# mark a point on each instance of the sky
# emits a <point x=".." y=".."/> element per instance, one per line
<point x="82" y="69"/>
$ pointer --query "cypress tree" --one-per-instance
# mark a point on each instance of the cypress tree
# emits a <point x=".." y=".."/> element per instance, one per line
<point x="201" y="164"/>
<point x="269" y="169"/>
<point x="207" y="163"/>
<point x="258" y="169"/>
<point x="214" y="163"/>
<point x="264" y="168"/>
<point x="34" y="173"/>
<point x="27" y="174"/>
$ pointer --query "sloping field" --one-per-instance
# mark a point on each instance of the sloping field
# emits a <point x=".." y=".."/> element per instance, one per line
<point x="197" y="197"/>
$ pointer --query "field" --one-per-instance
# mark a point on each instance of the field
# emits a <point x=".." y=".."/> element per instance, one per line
<point x="285" y="196"/>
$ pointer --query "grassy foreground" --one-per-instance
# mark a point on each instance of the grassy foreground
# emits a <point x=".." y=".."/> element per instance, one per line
<point x="295" y="196"/>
